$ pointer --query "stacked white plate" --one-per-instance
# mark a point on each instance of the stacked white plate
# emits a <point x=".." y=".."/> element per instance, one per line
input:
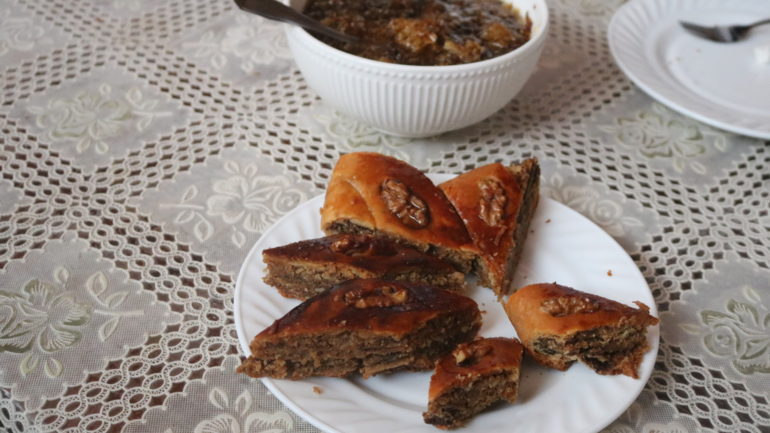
<point x="720" y="84"/>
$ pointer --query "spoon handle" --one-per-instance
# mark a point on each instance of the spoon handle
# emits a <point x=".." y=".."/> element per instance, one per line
<point x="278" y="11"/>
<point x="759" y="23"/>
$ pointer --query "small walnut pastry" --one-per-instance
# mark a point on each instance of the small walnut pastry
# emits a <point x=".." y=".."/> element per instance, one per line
<point x="496" y="204"/>
<point x="304" y="269"/>
<point x="559" y="325"/>
<point x="471" y="378"/>
<point x="371" y="193"/>
<point x="367" y="326"/>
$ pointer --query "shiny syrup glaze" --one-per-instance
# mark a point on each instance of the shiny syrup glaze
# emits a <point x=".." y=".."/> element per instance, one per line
<point x="464" y="193"/>
<point x="505" y="353"/>
<point x="329" y="310"/>
<point x="439" y="22"/>
<point x="366" y="172"/>
<point x="524" y="309"/>
<point x="371" y="253"/>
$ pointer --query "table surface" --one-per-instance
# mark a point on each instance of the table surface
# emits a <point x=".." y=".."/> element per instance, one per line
<point x="145" y="145"/>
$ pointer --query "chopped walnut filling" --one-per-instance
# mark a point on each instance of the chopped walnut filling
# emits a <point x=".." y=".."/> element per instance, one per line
<point x="386" y="296"/>
<point x="468" y="52"/>
<point x="349" y="247"/>
<point x="468" y="354"/>
<point x="568" y="305"/>
<point x="408" y="207"/>
<point x="497" y="35"/>
<point x="424" y="32"/>
<point x="414" y="34"/>
<point x="492" y="202"/>
<point x="362" y="245"/>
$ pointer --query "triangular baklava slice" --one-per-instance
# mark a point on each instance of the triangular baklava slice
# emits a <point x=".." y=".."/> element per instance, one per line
<point x="367" y="326"/>
<point x="559" y="325"/>
<point x="304" y="269"/>
<point x="370" y="193"/>
<point x="496" y="203"/>
<point x="471" y="378"/>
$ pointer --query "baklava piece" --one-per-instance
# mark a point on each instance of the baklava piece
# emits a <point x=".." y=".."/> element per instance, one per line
<point x="559" y="325"/>
<point x="304" y="269"/>
<point x="496" y="203"/>
<point x="471" y="378"/>
<point x="367" y="326"/>
<point x="370" y="193"/>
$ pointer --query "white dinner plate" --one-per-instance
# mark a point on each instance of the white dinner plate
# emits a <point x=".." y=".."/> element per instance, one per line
<point x="563" y="246"/>
<point x="720" y="84"/>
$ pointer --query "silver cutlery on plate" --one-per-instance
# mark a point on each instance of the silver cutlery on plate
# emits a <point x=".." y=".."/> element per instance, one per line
<point x="728" y="34"/>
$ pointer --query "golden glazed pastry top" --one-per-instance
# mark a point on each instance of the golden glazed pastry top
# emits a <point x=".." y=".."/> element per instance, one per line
<point x="552" y="309"/>
<point x="379" y="193"/>
<point x="469" y="360"/>
<point x="488" y="200"/>
<point x="367" y="252"/>
<point x="389" y="307"/>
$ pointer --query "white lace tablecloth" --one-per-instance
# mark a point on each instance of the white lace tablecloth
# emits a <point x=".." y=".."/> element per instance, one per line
<point x="145" y="145"/>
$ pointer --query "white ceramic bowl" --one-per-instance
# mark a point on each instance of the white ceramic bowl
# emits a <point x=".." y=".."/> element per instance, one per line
<point x="417" y="101"/>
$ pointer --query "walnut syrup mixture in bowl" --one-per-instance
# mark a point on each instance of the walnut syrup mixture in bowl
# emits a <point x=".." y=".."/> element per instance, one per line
<point x="423" y="32"/>
<point x="425" y="66"/>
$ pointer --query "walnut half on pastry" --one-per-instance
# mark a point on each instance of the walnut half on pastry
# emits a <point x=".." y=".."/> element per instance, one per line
<point x="496" y="203"/>
<point x="559" y="325"/>
<point x="370" y="193"/>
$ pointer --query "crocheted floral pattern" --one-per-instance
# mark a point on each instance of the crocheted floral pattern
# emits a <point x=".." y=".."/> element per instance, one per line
<point x="252" y="201"/>
<point x="91" y="118"/>
<point x="41" y="321"/>
<point x="18" y="33"/>
<point x="252" y="41"/>
<point x="278" y="422"/>
<point x="740" y="332"/>
<point x="47" y="318"/>
<point x="606" y="213"/>
<point x="656" y="134"/>
<point x="672" y="427"/>
<point x="359" y="137"/>
<point x="245" y="201"/>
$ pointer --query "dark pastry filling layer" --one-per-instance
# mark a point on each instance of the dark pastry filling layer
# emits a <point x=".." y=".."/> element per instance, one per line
<point x="602" y="349"/>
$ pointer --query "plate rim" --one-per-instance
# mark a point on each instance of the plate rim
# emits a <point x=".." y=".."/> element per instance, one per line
<point x="613" y="34"/>
<point x="436" y="177"/>
<point x="240" y="332"/>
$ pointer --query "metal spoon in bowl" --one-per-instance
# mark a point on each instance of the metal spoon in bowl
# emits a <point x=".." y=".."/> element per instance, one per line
<point x="274" y="10"/>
